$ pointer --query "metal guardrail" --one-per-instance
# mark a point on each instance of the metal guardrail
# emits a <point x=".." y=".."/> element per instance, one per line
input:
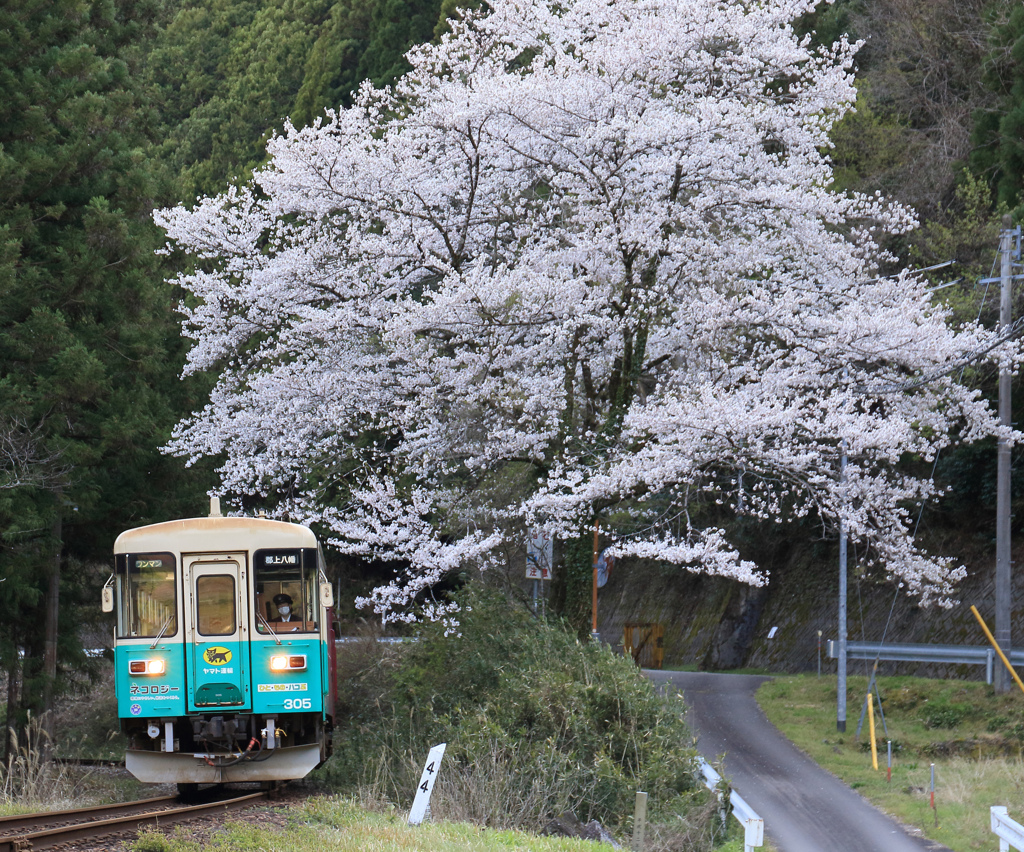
<point x="753" y="825"/>
<point x="977" y="655"/>
<point x="1008" y="831"/>
<point x="387" y="640"/>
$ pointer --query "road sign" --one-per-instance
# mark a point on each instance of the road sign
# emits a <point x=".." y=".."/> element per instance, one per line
<point x="540" y="550"/>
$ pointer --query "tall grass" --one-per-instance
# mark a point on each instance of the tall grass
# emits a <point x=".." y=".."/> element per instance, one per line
<point x="30" y="780"/>
<point x="968" y="732"/>
<point x="494" y="790"/>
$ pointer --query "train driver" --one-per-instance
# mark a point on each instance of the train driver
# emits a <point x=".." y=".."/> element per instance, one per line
<point x="283" y="603"/>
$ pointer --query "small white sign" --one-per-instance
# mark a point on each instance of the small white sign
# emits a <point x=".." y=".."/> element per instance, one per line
<point x="539" y="553"/>
<point x="426" y="787"/>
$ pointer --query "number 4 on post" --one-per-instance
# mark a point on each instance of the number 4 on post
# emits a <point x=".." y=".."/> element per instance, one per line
<point x="426" y="785"/>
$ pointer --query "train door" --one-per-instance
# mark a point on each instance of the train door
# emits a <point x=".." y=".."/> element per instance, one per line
<point x="218" y="614"/>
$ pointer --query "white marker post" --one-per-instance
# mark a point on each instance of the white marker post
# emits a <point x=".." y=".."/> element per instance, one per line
<point x="640" y="822"/>
<point x="426" y="787"/>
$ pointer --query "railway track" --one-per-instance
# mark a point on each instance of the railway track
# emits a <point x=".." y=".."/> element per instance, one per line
<point x="27" y="832"/>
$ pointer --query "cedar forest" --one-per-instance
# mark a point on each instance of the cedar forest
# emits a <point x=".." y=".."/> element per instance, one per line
<point x="631" y="260"/>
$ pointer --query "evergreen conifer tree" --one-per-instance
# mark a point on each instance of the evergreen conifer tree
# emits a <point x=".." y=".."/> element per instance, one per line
<point x="999" y="132"/>
<point x="83" y="335"/>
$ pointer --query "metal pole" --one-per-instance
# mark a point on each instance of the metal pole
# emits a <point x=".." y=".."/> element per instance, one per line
<point x="871" y="730"/>
<point x="841" y="690"/>
<point x="594" y="635"/>
<point x="1004" y="586"/>
<point x="864" y="708"/>
<point x="934" y="809"/>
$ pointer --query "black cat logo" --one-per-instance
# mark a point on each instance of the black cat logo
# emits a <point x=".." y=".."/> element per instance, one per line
<point x="217" y="656"/>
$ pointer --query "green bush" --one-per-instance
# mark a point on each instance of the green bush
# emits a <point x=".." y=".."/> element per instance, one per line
<point x="996" y="724"/>
<point x="942" y="715"/>
<point x="536" y="723"/>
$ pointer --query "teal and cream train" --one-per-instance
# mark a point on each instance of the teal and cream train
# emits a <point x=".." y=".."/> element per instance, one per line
<point x="224" y="650"/>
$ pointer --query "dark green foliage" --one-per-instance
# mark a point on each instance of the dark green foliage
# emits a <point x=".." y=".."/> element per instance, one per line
<point x="333" y="65"/>
<point x="943" y="715"/>
<point x="917" y="74"/>
<point x="87" y="343"/>
<point x="572" y="584"/>
<point x="869" y="148"/>
<point x="830" y="22"/>
<point x="999" y="130"/>
<point x="228" y="73"/>
<point x="526" y="700"/>
<point x="965" y="231"/>
<point x="451" y="9"/>
<point x="395" y="25"/>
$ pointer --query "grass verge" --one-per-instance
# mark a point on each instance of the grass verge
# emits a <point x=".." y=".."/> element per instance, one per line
<point x="973" y="737"/>
<point x="342" y="825"/>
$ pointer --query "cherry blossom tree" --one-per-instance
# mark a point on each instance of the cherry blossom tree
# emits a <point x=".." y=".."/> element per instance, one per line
<point x="583" y="261"/>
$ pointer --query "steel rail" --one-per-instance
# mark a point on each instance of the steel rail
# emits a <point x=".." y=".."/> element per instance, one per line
<point x="47" y="838"/>
<point x="18" y="821"/>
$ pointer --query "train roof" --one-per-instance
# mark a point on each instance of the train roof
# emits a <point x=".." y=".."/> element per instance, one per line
<point x="196" y="535"/>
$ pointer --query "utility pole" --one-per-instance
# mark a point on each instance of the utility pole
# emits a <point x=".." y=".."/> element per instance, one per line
<point x="594" y="635"/>
<point x="841" y="686"/>
<point x="1004" y="584"/>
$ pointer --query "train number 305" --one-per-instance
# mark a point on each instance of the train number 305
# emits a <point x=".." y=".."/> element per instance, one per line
<point x="298" y="704"/>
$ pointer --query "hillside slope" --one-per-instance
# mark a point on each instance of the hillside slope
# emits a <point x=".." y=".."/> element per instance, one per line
<point x="719" y="624"/>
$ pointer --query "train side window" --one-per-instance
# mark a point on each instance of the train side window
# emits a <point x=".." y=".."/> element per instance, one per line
<point x="215" y="605"/>
<point x="147" y="603"/>
<point x="285" y="591"/>
<point x="311" y="600"/>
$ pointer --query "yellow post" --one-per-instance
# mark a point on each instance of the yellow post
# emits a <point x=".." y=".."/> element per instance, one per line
<point x="871" y="728"/>
<point x="999" y="650"/>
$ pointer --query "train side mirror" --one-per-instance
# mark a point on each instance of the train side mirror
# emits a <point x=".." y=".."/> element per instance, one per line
<point x="326" y="595"/>
<point x="107" y="598"/>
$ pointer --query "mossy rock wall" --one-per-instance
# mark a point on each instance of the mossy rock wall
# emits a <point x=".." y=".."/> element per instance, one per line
<point x="707" y="620"/>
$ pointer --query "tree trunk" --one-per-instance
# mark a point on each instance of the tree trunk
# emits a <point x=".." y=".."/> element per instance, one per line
<point x="13" y="708"/>
<point x="571" y="584"/>
<point x="50" y="626"/>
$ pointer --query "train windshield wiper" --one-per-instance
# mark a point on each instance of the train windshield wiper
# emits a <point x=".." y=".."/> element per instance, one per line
<point x="266" y="624"/>
<point x="160" y="635"/>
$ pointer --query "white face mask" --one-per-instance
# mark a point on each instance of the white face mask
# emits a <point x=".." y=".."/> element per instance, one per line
<point x="284" y="610"/>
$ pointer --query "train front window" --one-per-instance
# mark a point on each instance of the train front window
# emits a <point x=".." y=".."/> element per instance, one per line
<point x="215" y="605"/>
<point x="285" y="590"/>
<point x="146" y="600"/>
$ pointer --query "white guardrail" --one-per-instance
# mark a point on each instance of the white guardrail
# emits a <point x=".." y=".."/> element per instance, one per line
<point x="978" y="655"/>
<point x="1010" y="833"/>
<point x="753" y="825"/>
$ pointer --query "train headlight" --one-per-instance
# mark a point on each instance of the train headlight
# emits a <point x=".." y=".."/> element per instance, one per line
<point x="147" y="667"/>
<point x="288" y="662"/>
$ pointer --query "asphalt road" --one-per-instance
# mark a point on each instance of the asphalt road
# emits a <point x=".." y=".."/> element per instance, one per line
<point x="804" y="808"/>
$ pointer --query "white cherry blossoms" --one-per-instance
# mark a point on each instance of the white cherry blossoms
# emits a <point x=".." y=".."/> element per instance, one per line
<point x="583" y="261"/>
